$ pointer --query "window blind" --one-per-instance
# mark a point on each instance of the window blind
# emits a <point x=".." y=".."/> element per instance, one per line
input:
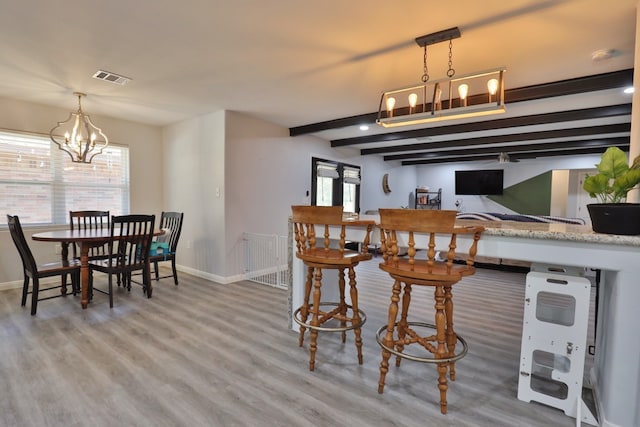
<point x="40" y="183"/>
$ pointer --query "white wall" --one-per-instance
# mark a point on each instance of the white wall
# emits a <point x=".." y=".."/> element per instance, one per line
<point x="436" y="176"/>
<point x="145" y="151"/>
<point x="194" y="169"/>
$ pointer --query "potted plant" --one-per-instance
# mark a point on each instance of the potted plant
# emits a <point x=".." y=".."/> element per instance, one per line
<point x="612" y="215"/>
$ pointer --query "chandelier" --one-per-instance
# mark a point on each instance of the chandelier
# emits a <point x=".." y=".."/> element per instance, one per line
<point x="454" y="97"/>
<point x="81" y="139"/>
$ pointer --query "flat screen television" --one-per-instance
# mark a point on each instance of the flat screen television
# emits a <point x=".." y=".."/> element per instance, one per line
<point x="479" y="182"/>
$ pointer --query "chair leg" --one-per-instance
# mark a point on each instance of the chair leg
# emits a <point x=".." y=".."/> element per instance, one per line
<point x="175" y="271"/>
<point x="315" y="319"/>
<point x="155" y="269"/>
<point x="403" y="326"/>
<point x="25" y="290"/>
<point x="441" y="351"/>
<point x="34" y="296"/>
<point x="110" y="290"/>
<point x="147" y="278"/>
<point x="356" y="313"/>
<point x="342" y="305"/>
<point x="304" y="310"/>
<point x="388" y="338"/>
<point x="449" y="332"/>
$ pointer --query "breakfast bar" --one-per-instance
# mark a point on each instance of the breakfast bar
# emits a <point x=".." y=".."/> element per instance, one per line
<point x="616" y="372"/>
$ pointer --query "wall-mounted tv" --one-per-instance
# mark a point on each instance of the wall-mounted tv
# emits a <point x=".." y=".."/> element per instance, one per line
<point x="479" y="182"/>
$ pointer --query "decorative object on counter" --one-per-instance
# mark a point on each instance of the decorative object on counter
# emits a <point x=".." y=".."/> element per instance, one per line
<point x="416" y="230"/>
<point x="81" y="139"/>
<point x="478" y="94"/>
<point x="612" y="215"/>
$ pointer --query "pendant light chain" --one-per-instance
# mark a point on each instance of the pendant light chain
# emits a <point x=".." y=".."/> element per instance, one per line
<point x="451" y="72"/>
<point x="425" y="75"/>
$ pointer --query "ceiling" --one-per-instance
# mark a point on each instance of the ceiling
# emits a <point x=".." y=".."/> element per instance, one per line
<point x="299" y="63"/>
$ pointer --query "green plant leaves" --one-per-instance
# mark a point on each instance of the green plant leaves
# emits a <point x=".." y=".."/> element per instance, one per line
<point x="615" y="178"/>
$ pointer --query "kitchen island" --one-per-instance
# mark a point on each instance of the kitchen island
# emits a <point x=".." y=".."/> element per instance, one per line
<point x="616" y="372"/>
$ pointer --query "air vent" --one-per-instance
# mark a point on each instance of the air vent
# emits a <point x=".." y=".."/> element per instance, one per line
<point x="111" y="77"/>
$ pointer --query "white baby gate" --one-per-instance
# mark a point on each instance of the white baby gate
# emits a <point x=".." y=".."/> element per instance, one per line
<point x="265" y="259"/>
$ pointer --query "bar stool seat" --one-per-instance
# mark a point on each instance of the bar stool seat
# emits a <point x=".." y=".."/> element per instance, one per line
<point x="327" y="251"/>
<point x="416" y="230"/>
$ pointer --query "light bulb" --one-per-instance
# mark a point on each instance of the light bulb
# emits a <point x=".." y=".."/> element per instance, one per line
<point x="492" y="85"/>
<point x="413" y="100"/>
<point x="391" y="102"/>
<point x="463" y="90"/>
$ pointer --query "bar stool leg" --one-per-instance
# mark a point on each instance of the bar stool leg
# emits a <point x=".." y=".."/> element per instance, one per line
<point x="304" y="311"/>
<point x="342" y="306"/>
<point x="441" y="351"/>
<point x="356" y="313"/>
<point x="403" y="326"/>
<point x="450" y="334"/>
<point x="315" y="319"/>
<point x="388" y="338"/>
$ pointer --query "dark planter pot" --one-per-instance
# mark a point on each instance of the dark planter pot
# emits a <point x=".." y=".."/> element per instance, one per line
<point x="615" y="218"/>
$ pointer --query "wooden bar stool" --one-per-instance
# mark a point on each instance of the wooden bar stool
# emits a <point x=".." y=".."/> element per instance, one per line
<point x="415" y="231"/>
<point x="327" y="251"/>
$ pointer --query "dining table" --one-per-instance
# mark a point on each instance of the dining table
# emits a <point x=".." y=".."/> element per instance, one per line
<point x="85" y="239"/>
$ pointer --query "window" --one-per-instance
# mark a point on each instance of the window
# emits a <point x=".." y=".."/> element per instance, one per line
<point x="335" y="184"/>
<point x="41" y="184"/>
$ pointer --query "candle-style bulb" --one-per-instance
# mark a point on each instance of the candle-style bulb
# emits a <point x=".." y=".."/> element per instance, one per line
<point x="391" y="102"/>
<point x="492" y="85"/>
<point x="413" y="100"/>
<point x="463" y="90"/>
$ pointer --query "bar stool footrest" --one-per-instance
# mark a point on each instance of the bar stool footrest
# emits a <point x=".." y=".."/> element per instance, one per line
<point x="353" y="325"/>
<point x="380" y="335"/>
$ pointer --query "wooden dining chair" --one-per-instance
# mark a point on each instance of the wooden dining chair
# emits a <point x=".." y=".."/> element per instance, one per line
<point x="128" y="251"/>
<point x="90" y="220"/>
<point x="171" y="224"/>
<point x="35" y="272"/>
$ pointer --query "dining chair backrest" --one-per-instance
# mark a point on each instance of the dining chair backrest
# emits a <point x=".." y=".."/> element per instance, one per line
<point x="171" y="223"/>
<point x="90" y="220"/>
<point x="131" y="240"/>
<point x="17" y="235"/>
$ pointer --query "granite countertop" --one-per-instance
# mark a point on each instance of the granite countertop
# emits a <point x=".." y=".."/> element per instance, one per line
<point x="554" y="231"/>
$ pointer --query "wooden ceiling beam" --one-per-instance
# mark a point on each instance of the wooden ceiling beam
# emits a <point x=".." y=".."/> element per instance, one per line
<point x="501" y="139"/>
<point x="596" y="82"/>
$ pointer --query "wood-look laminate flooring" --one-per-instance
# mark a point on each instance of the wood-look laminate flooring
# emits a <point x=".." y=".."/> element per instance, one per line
<point x="206" y="354"/>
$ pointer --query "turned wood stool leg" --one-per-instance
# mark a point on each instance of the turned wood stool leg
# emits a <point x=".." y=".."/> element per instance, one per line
<point x="441" y="351"/>
<point x="304" y="310"/>
<point x="342" y="304"/>
<point x="315" y="319"/>
<point x="450" y="334"/>
<point x="388" y="338"/>
<point x="356" y="313"/>
<point x="403" y="326"/>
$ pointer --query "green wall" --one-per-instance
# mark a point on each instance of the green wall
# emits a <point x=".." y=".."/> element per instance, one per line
<point x="531" y="197"/>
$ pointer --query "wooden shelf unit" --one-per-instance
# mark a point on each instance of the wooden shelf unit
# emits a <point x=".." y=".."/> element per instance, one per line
<point x="425" y="199"/>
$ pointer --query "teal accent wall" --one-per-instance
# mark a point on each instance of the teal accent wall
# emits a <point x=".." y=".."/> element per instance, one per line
<point x="529" y="197"/>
